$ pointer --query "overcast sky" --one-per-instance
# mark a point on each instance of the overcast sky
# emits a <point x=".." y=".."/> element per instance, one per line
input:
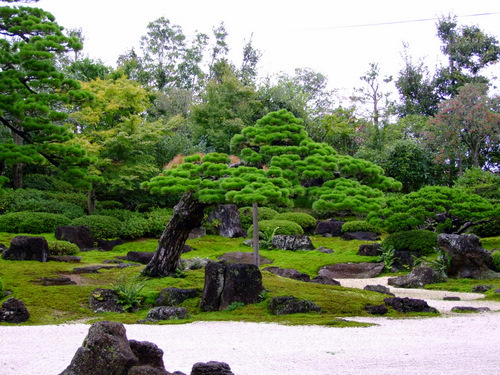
<point x="336" y="38"/>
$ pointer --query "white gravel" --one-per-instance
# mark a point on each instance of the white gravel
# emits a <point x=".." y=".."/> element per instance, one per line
<point x="450" y="344"/>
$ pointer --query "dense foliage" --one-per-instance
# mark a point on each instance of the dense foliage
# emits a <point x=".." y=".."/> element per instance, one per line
<point x="422" y="242"/>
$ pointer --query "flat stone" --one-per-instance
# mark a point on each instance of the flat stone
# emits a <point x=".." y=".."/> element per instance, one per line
<point x="467" y="309"/>
<point x="243" y="258"/>
<point x="52" y="281"/>
<point x="352" y="270"/>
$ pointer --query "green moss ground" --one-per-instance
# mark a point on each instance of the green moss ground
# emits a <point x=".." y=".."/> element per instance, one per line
<point x="63" y="304"/>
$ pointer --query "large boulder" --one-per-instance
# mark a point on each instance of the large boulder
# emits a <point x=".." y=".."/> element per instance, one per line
<point x="211" y="368"/>
<point x="288" y="273"/>
<point x="406" y="305"/>
<point x="352" y="270"/>
<point x="290" y="242"/>
<point x="167" y="313"/>
<point x="27" y="248"/>
<point x="228" y="221"/>
<point x="80" y="235"/>
<point x="417" y="278"/>
<point x="291" y="305"/>
<point x="467" y="258"/>
<point x="14" y="311"/>
<point x="175" y="296"/>
<point x="105" y="351"/>
<point x="226" y="283"/>
<point x="329" y="228"/>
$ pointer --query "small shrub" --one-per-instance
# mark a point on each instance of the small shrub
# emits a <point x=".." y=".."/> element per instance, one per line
<point x="359" y="226"/>
<point x="62" y="248"/>
<point x="496" y="260"/>
<point x="422" y="241"/>
<point x="387" y="256"/>
<point x="306" y="221"/>
<point x="135" y="227"/>
<point x="157" y="221"/>
<point x="100" y="226"/>
<point x="283" y="227"/>
<point x="246" y="215"/>
<point x="118" y="213"/>
<point x="128" y="292"/>
<point x="235" y="305"/>
<point x="31" y="222"/>
<point x="108" y="205"/>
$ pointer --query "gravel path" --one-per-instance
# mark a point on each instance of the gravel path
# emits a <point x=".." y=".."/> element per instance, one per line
<point x="450" y="344"/>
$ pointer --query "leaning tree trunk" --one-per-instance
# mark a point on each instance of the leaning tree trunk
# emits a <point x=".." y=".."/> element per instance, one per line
<point x="188" y="214"/>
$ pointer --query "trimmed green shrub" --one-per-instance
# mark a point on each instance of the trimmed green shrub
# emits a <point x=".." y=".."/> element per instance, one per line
<point x="489" y="229"/>
<point x="108" y="205"/>
<point x="359" y="226"/>
<point x="246" y="215"/>
<point x="31" y="222"/>
<point x="306" y="221"/>
<point x="62" y="248"/>
<point x="496" y="260"/>
<point x="100" y="226"/>
<point x="422" y="241"/>
<point x="157" y="221"/>
<point x="135" y="227"/>
<point x="118" y="213"/>
<point x="284" y="227"/>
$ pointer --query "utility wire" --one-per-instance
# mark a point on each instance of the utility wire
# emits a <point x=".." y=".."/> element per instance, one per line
<point x="395" y="22"/>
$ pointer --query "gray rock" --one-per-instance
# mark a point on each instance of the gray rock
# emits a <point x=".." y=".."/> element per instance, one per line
<point x="379" y="289"/>
<point x="324" y="250"/>
<point x="468" y="259"/>
<point x="226" y="283"/>
<point x="108" y="245"/>
<point x="229" y="218"/>
<point x="167" y="313"/>
<point x="325" y="281"/>
<point x="469" y="309"/>
<point x="146" y="370"/>
<point x="197" y="233"/>
<point x="360" y="236"/>
<point x="14" y="311"/>
<point x="147" y="353"/>
<point x="62" y="280"/>
<point x="104" y="300"/>
<point x="288" y="273"/>
<point x="417" y="278"/>
<point x="451" y="298"/>
<point x="211" y="368"/>
<point x="79" y="235"/>
<point x="406" y="305"/>
<point x="371" y="250"/>
<point x="243" y="258"/>
<point x="376" y="309"/>
<point x="352" y="270"/>
<point x="291" y="305"/>
<point x="329" y="228"/>
<point x="481" y="288"/>
<point x="289" y="242"/>
<point x="27" y="248"/>
<point x="175" y="296"/>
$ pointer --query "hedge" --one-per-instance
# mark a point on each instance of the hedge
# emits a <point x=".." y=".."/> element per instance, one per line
<point x="284" y="227"/>
<point x="32" y="222"/>
<point x="422" y="241"/>
<point x="306" y="221"/>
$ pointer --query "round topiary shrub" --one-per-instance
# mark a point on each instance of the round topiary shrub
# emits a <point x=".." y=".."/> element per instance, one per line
<point x="246" y="215"/>
<point x="31" y="222"/>
<point x="100" y="226"/>
<point x="496" y="260"/>
<point x="62" y="248"/>
<point x="306" y="221"/>
<point x="284" y="227"/>
<point x="422" y="241"/>
<point x="359" y="226"/>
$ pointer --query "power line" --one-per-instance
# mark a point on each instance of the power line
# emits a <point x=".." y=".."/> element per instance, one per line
<point x="395" y="22"/>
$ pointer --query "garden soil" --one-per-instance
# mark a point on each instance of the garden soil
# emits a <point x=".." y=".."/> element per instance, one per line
<point x="450" y="344"/>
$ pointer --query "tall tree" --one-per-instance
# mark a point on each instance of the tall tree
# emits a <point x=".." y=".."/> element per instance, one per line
<point x="34" y="93"/>
<point x="251" y="57"/>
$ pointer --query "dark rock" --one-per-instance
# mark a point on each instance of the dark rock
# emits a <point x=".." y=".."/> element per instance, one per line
<point x="147" y="353"/>
<point x="97" y="268"/>
<point x="497" y="291"/>
<point x="406" y="305"/>
<point x="143" y="257"/>
<point x="104" y="300"/>
<point x="379" y="289"/>
<point x="352" y="270"/>
<point x="370" y="250"/>
<point x="175" y="296"/>
<point x="324" y="280"/>
<point x="27" y="248"/>
<point x="79" y="235"/>
<point x="211" y="368"/>
<point x="289" y="242"/>
<point x="197" y="233"/>
<point x="105" y="351"/>
<point x="481" y="288"/>
<point x="451" y="298"/>
<point x="229" y="218"/>
<point x="112" y="261"/>
<point x="288" y="273"/>
<point x="376" y="309"/>
<point x="167" y="313"/>
<point x="404" y="260"/>
<point x="51" y="281"/>
<point x="108" y="245"/>
<point x="65" y="258"/>
<point x="242" y="258"/>
<point x="329" y="228"/>
<point x="2" y="248"/>
<point x="14" y="311"/>
<point x="291" y="305"/>
<point x="467" y="258"/>
<point x="324" y="250"/>
<point x="360" y="236"/>
<point x="417" y="278"/>
<point x="226" y="283"/>
<point x="146" y="370"/>
<point x="468" y="309"/>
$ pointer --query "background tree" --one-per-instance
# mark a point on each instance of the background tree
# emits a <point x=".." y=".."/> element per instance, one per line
<point x="35" y="94"/>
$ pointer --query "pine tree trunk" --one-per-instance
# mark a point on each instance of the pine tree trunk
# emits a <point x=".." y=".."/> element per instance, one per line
<point x="188" y="214"/>
<point x="91" y="201"/>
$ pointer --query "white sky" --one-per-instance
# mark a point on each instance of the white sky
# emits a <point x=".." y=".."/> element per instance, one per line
<point x="291" y="34"/>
